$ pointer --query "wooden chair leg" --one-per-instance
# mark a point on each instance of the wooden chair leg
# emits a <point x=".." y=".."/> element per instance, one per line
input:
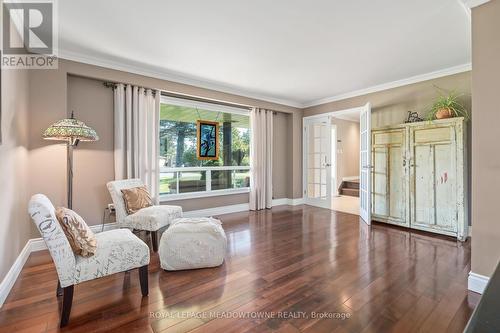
<point x="59" y="291"/>
<point x="154" y="240"/>
<point x="143" y="278"/>
<point x="67" y="302"/>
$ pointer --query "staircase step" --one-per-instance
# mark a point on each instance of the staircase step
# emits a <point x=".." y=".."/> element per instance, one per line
<point x="351" y="184"/>
<point x="353" y="192"/>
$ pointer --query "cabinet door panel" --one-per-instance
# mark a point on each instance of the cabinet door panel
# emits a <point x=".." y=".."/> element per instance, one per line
<point x="397" y="181"/>
<point x="433" y="195"/>
<point x="430" y="135"/>
<point x="423" y="192"/>
<point x="389" y="177"/>
<point x="380" y="179"/>
<point x="445" y="192"/>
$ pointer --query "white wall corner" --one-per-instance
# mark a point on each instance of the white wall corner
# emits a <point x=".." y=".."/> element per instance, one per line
<point x="473" y="3"/>
<point x="296" y="202"/>
<point x="11" y="276"/>
<point x="477" y="283"/>
<point x="37" y="244"/>
<point x="280" y="202"/>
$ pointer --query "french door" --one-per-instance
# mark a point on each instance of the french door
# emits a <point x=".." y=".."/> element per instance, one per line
<point x="365" y="164"/>
<point x="317" y="161"/>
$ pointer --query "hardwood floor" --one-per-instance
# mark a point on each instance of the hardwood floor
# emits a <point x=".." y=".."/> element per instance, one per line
<point x="300" y="264"/>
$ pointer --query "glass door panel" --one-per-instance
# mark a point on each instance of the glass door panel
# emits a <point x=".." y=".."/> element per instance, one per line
<point x="317" y="154"/>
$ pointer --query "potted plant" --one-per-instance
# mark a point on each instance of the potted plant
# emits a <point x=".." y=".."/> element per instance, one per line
<point x="447" y="106"/>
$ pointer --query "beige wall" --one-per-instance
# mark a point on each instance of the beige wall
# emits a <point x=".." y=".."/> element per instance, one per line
<point x="294" y="158"/>
<point x="390" y="106"/>
<point x="93" y="162"/>
<point x="486" y="137"/>
<point x="76" y="86"/>
<point x="347" y="148"/>
<point x="15" y="225"/>
<point x="281" y="123"/>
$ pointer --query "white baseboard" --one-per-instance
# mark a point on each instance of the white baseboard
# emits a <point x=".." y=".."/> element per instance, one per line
<point x="11" y="276"/>
<point x="37" y="244"/>
<point x="238" y="208"/>
<point x="289" y="202"/>
<point x="280" y="202"/>
<point x="296" y="202"/>
<point x="217" y="210"/>
<point x="477" y="283"/>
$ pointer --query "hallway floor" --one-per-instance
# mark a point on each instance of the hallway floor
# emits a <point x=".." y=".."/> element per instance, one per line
<point x="346" y="204"/>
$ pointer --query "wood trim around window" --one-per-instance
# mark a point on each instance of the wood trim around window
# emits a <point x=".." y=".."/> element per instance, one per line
<point x="198" y="140"/>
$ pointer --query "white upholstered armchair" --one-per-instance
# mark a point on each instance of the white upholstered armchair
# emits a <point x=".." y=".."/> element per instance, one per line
<point x="117" y="251"/>
<point x="150" y="219"/>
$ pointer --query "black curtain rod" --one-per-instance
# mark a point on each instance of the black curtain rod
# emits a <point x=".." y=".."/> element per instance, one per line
<point x="113" y="85"/>
<point x="193" y="98"/>
<point x="188" y="97"/>
<point x="205" y="100"/>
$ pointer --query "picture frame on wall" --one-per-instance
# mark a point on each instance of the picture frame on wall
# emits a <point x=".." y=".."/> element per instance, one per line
<point x="207" y="140"/>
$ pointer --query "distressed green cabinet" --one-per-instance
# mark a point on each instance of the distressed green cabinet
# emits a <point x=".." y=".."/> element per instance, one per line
<point x="419" y="176"/>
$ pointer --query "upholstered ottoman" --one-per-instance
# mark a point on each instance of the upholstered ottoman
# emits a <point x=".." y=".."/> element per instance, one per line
<point x="191" y="243"/>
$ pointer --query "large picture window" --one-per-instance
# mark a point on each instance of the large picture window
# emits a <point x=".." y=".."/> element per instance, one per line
<point x="183" y="173"/>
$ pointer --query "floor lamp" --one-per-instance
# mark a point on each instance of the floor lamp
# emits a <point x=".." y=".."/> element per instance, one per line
<point x="71" y="131"/>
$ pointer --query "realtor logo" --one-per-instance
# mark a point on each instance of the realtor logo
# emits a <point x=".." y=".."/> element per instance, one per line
<point x="28" y="34"/>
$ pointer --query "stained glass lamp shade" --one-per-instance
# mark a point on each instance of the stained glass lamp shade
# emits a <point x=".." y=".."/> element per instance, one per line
<point x="71" y="130"/>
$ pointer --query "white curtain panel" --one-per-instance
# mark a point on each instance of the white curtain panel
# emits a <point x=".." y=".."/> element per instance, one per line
<point x="137" y="113"/>
<point x="261" y="157"/>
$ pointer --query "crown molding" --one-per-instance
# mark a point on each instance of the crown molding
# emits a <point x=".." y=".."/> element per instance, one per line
<point x="169" y="76"/>
<point x="394" y="84"/>
<point x="474" y="3"/>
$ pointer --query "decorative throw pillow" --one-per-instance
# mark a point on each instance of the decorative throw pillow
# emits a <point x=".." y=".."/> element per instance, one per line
<point x="81" y="239"/>
<point x="136" y="198"/>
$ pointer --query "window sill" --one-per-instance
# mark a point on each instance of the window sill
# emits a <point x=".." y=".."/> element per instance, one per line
<point x="196" y="195"/>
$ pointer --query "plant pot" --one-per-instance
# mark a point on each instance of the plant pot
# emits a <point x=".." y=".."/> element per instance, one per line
<point x="443" y="113"/>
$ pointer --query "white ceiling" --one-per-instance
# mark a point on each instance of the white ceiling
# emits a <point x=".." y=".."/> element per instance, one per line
<point x="350" y="115"/>
<point x="296" y="52"/>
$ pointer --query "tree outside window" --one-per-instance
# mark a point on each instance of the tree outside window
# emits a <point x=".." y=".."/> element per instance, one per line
<point x="178" y="149"/>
